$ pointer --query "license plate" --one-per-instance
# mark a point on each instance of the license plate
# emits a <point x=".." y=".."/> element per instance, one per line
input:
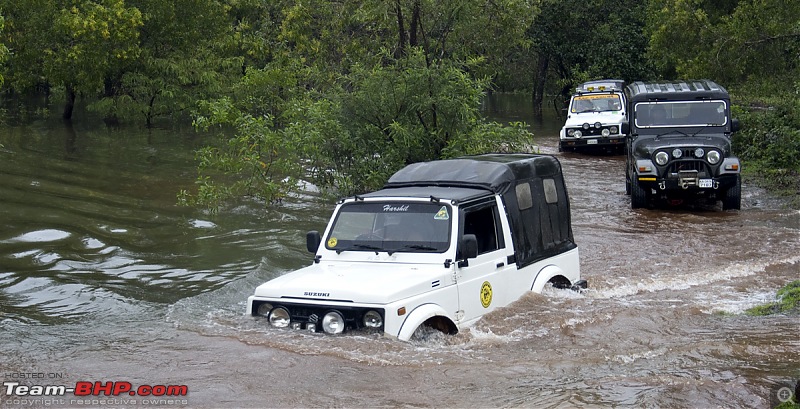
<point x="591" y="141"/>
<point x="706" y="183"/>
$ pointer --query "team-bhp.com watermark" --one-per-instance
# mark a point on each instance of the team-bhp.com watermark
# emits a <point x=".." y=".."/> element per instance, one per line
<point x="18" y="389"/>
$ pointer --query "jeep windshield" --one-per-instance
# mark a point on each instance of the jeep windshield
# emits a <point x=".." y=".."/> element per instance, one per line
<point x="671" y="114"/>
<point x="391" y="227"/>
<point x="595" y="103"/>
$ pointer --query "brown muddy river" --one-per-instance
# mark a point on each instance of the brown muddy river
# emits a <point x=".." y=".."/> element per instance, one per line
<point x="104" y="279"/>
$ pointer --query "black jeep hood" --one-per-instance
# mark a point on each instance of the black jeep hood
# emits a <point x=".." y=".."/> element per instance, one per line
<point x="645" y="145"/>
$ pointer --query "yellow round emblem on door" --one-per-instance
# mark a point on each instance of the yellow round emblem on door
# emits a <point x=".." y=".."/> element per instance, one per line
<point x="486" y="294"/>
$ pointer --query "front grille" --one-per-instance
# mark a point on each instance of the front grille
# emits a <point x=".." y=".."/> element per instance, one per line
<point x="688" y="164"/>
<point x="592" y="131"/>
<point x="311" y="313"/>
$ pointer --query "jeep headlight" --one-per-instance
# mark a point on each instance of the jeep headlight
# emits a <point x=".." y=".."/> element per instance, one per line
<point x="614" y="130"/>
<point x="606" y="132"/>
<point x="713" y="157"/>
<point x="372" y="319"/>
<point x="333" y="323"/>
<point x="570" y="132"/>
<point x="662" y="158"/>
<point x="577" y="134"/>
<point x="264" y="309"/>
<point x="279" y="317"/>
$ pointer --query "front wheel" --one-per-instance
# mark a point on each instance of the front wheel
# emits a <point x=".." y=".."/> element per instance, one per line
<point x="638" y="196"/>
<point x="733" y="197"/>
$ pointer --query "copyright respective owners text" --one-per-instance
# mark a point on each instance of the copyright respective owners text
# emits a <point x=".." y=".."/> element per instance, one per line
<point x="54" y="389"/>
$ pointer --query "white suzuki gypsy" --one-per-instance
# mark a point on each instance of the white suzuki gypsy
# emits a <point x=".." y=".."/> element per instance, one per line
<point x="594" y="118"/>
<point x="442" y="244"/>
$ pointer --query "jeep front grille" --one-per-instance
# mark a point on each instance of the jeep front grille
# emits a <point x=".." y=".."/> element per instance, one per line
<point x="695" y="165"/>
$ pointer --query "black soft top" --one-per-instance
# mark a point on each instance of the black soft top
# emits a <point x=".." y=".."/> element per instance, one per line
<point x="493" y="172"/>
<point x="675" y="90"/>
<point x="532" y="188"/>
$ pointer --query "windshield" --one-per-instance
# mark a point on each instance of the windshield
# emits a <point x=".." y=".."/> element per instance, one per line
<point x="680" y="113"/>
<point x="595" y="103"/>
<point x="392" y="227"/>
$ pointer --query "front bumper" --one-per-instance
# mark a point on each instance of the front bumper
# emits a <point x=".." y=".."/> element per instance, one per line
<point x="688" y="184"/>
<point x="592" y="142"/>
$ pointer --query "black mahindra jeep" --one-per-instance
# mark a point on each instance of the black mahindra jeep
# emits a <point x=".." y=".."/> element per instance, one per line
<point x="679" y="144"/>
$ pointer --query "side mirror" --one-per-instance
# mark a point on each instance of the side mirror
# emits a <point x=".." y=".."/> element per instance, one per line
<point x="313" y="240"/>
<point x="468" y="246"/>
<point x="735" y="126"/>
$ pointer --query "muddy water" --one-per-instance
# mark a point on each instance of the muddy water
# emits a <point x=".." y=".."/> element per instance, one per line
<point x="103" y="278"/>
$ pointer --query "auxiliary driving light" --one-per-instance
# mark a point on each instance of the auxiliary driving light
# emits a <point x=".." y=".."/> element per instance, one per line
<point x="598" y="125"/>
<point x="279" y="317"/>
<point x="662" y="158"/>
<point x="713" y="157"/>
<point x="677" y="153"/>
<point x="372" y="319"/>
<point x="586" y="125"/>
<point x="699" y="152"/>
<point x="333" y="323"/>
<point x="264" y="309"/>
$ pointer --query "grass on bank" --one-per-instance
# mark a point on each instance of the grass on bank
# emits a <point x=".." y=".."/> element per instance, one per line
<point x="788" y="300"/>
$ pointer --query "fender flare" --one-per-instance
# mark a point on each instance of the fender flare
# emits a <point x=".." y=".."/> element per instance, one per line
<point x="416" y="317"/>
<point x="544" y="275"/>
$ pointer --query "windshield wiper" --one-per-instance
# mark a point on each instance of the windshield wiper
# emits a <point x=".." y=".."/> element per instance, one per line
<point x="359" y="246"/>
<point x="704" y="127"/>
<point x="680" y="133"/>
<point x="412" y="247"/>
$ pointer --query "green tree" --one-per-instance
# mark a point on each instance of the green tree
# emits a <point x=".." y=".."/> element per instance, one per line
<point x="581" y="40"/>
<point x="70" y="44"/>
<point x="185" y="57"/>
<point x="351" y="138"/>
<point x="3" y="49"/>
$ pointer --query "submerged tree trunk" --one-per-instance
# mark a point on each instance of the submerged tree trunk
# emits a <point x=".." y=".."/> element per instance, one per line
<point x="539" y="82"/>
<point x="70" y="103"/>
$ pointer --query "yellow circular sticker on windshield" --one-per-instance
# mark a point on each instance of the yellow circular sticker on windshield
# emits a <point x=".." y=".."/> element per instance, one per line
<point x="332" y="242"/>
<point x="486" y="294"/>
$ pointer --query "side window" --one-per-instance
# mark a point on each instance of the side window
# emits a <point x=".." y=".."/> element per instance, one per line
<point x="484" y="223"/>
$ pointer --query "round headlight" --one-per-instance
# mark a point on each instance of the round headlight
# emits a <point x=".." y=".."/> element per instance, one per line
<point x="333" y="323"/>
<point x="614" y="130"/>
<point x="698" y="153"/>
<point x="597" y="125"/>
<point x="713" y="157"/>
<point x="606" y="132"/>
<point x="372" y="319"/>
<point x="586" y="125"/>
<point x="279" y="317"/>
<point x="264" y="309"/>
<point x="677" y="153"/>
<point x="578" y="134"/>
<point x="662" y="158"/>
<point x="570" y="132"/>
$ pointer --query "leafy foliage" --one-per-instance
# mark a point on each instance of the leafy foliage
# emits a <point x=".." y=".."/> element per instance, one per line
<point x="381" y="118"/>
